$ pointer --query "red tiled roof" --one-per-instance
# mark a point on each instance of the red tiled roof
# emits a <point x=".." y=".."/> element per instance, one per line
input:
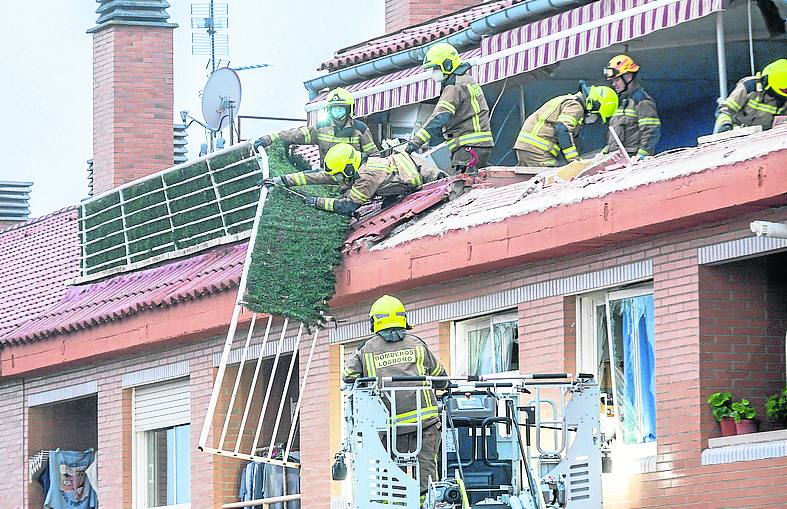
<point x="81" y="307"/>
<point x="379" y="224"/>
<point x="413" y="36"/>
<point x="37" y="258"/>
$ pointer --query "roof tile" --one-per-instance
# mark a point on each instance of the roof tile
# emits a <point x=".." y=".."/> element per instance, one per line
<point x="413" y="36"/>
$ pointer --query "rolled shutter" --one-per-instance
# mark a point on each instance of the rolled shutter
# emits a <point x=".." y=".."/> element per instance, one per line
<point x="162" y="405"/>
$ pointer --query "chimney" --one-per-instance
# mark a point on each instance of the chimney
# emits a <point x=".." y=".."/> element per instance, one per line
<point x="403" y="13"/>
<point x="132" y="91"/>
<point x="14" y="202"/>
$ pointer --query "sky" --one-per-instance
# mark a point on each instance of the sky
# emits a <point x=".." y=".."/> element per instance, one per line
<point x="46" y="78"/>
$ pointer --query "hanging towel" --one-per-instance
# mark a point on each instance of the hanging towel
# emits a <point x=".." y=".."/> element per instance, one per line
<point x="69" y="486"/>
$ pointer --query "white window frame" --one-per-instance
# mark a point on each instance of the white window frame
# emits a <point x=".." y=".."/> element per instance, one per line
<point x="139" y="460"/>
<point x="587" y="358"/>
<point x="459" y="330"/>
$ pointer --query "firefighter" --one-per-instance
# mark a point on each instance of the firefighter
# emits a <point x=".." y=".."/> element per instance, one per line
<point x="461" y="116"/>
<point x="339" y="127"/>
<point x="636" y="121"/>
<point x="755" y="99"/>
<point x="547" y="136"/>
<point x="391" y="351"/>
<point x="361" y="179"/>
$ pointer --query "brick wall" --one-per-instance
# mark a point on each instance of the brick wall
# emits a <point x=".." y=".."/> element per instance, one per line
<point x="132" y="103"/>
<point x="403" y="13"/>
<point x="683" y="291"/>
<point x="743" y="320"/>
<point x="105" y="420"/>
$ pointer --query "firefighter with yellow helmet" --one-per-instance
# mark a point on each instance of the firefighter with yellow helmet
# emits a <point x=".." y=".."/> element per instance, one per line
<point x="461" y="116"/>
<point x="756" y="100"/>
<point x="391" y="351"/>
<point x="547" y="136"/>
<point x="360" y="177"/>
<point x="636" y="121"/>
<point x="339" y="127"/>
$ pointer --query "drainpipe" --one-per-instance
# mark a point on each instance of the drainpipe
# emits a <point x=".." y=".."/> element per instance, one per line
<point x="721" y="55"/>
<point x="470" y="36"/>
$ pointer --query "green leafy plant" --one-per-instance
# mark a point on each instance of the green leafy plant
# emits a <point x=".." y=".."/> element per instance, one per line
<point x="776" y="407"/>
<point x="742" y="410"/>
<point x="721" y="405"/>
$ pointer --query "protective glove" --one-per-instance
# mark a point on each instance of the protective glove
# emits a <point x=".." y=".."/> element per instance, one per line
<point x="722" y="128"/>
<point x="273" y="181"/>
<point x="263" y="141"/>
<point x="411" y="147"/>
<point x="310" y="201"/>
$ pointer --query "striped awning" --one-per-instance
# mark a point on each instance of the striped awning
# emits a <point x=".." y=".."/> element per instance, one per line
<point x="560" y="37"/>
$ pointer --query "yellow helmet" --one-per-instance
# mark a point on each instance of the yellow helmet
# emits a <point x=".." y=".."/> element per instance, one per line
<point x="775" y="77"/>
<point x="342" y="158"/>
<point x="443" y="56"/>
<point x="620" y="65"/>
<point x="601" y="100"/>
<point x="387" y="313"/>
<point x="339" y="97"/>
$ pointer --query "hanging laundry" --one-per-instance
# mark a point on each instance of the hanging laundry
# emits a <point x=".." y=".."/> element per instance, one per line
<point x="69" y="486"/>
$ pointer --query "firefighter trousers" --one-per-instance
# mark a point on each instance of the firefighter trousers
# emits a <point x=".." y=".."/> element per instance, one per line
<point x="430" y="450"/>
<point x="535" y="159"/>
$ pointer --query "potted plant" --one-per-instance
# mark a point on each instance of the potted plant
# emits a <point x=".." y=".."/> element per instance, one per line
<point x="721" y="405"/>
<point x="776" y="407"/>
<point x="744" y="416"/>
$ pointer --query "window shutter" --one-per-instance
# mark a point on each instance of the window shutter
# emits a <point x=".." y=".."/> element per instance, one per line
<point x="162" y="405"/>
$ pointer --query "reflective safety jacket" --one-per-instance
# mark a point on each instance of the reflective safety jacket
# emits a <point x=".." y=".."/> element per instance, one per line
<point x="538" y="133"/>
<point x="636" y="122"/>
<point x="395" y="175"/>
<point x="325" y="135"/>
<point x="749" y="104"/>
<point x="461" y="115"/>
<point x="408" y="357"/>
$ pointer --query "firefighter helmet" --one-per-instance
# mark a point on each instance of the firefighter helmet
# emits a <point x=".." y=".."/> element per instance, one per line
<point x="387" y="313"/>
<point x="620" y="65"/>
<point x="601" y="100"/>
<point x="339" y="97"/>
<point x="342" y="158"/>
<point x="442" y="56"/>
<point x="775" y="77"/>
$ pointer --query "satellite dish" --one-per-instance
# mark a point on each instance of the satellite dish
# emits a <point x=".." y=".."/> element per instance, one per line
<point x="221" y="98"/>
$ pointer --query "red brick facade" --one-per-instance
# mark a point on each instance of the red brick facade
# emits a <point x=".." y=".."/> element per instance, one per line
<point x="132" y="103"/>
<point x="716" y="327"/>
<point x="403" y="13"/>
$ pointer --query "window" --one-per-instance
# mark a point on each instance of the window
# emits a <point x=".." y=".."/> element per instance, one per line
<point x="617" y="345"/>
<point x="486" y="345"/>
<point x="162" y="452"/>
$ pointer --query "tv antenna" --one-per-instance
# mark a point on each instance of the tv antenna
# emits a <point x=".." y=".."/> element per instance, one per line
<point x="211" y="17"/>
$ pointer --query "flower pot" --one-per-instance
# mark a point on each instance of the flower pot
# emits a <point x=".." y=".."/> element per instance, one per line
<point x="747" y="426"/>
<point x="728" y="427"/>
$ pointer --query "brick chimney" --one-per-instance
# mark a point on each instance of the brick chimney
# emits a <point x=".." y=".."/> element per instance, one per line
<point x="403" y="13"/>
<point x="132" y="91"/>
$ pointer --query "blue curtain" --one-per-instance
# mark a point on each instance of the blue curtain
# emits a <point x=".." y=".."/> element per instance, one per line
<point x="637" y="325"/>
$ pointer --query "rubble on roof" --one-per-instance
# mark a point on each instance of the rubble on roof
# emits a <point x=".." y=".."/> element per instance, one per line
<point x="489" y="205"/>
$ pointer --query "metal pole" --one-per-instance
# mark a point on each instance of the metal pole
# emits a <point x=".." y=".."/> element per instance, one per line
<point x="261" y="501"/>
<point x="238" y="377"/>
<point x="721" y="55"/>
<point x="301" y="392"/>
<point x="250" y="396"/>
<point x="751" y="40"/>
<point x="283" y="398"/>
<point x="225" y="354"/>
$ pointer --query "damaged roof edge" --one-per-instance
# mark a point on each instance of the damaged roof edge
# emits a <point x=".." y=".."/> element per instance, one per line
<point x="468" y="37"/>
<point x="581" y="227"/>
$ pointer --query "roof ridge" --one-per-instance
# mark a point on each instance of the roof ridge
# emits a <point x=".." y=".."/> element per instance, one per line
<point x="39" y="219"/>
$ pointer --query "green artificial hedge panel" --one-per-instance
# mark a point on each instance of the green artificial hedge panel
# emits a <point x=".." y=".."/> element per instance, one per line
<point x="296" y="251"/>
<point x="175" y="210"/>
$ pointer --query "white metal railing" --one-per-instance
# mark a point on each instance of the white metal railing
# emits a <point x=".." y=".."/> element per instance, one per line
<point x="264" y="502"/>
<point x="127" y="246"/>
